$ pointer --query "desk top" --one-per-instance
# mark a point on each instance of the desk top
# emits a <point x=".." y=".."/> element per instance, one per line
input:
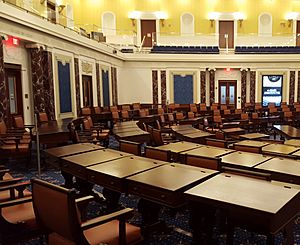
<point x="208" y="151"/>
<point x="172" y="177"/>
<point x="293" y="142"/>
<point x="233" y="190"/>
<point x="279" y="149"/>
<point x="197" y="134"/>
<point x="124" y="167"/>
<point x="297" y="153"/>
<point x="251" y="143"/>
<point x="288" y="130"/>
<point x="52" y="127"/>
<point x="94" y="157"/>
<point x="281" y="165"/>
<point x="135" y="132"/>
<point x="68" y="150"/>
<point x="233" y="130"/>
<point x="179" y="146"/>
<point x="252" y="136"/>
<point x="244" y="159"/>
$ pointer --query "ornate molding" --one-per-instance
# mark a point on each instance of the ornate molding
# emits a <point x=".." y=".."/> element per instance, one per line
<point x="87" y="67"/>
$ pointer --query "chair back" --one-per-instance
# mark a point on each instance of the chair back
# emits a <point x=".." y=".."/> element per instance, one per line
<point x="179" y="116"/>
<point x="223" y="107"/>
<point x="154" y="153"/>
<point x="191" y="114"/>
<point x="142" y="113"/>
<point x="160" y="111"/>
<point x="3" y="128"/>
<point x="18" y="121"/>
<point x="113" y="108"/>
<point x="115" y="116"/>
<point x="43" y="117"/>
<point x="217" y="113"/>
<point x="244" y="116"/>
<point x="227" y="112"/>
<point x="157" y="138"/>
<point x="90" y="121"/>
<point x="97" y="110"/>
<point x="125" y="107"/>
<point x="86" y="124"/>
<point x="130" y="147"/>
<point x="136" y="106"/>
<point x="58" y="215"/>
<point x="85" y="111"/>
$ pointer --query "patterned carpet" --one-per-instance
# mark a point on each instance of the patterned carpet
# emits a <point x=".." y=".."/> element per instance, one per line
<point x="178" y="222"/>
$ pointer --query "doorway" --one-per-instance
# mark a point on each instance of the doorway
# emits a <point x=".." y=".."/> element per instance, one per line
<point x="226" y="33"/>
<point x="227" y="93"/>
<point x="298" y="33"/>
<point x="148" y="32"/>
<point x="14" y="85"/>
<point x="87" y="89"/>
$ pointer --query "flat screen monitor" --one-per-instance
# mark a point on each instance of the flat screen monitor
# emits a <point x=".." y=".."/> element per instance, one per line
<point x="272" y="89"/>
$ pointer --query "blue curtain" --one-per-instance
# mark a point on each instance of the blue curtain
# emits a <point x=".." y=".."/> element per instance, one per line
<point x="105" y="88"/>
<point x="64" y="87"/>
<point x="183" y="89"/>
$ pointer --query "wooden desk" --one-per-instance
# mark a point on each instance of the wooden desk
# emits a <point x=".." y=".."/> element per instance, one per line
<point x="296" y="154"/>
<point x="287" y="131"/>
<point x="233" y="131"/>
<point x="208" y="152"/>
<point x="250" y="145"/>
<point x="136" y="135"/>
<point x="58" y="152"/>
<point x="166" y="184"/>
<point x="293" y="142"/>
<point x="178" y="147"/>
<point x="196" y="137"/>
<point x="77" y="164"/>
<point x="282" y="169"/>
<point x="54" y="132"/>
<point x="112" y="174"/>
<point x="243" y="160"/>
<point x="279" y="149"/>
<point x="248" y="202"/>
<point x="253" y="136"/>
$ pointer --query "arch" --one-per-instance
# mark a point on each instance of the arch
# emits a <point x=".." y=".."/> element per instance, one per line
<point x="187" y="24"/>
<point x="265" y="24"/>
<point x="109" y="23"/>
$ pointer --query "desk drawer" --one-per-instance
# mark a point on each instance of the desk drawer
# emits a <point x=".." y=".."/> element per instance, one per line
<point x="172" y="199"/>
<point x="74" y="169"/>
<point x="110" y="182"/>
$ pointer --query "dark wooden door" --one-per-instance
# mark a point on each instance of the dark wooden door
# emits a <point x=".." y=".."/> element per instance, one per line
<point x="298" y="33"/>
<point x="226" y="29"/>
<point x="14" y="87"/>
<point x="227" y="93"/>
<point x="87" y="87"/>
<point x="148" y="30"/>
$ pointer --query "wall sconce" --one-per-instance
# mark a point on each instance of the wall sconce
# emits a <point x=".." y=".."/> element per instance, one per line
<point x="61" y="8"/>
<point x="212" y="21"/>
<point x="162" y="22"/>
<point x="240" y="22"/>
<point x="42" y="1"/>
<point x="132" y="21"/>
<point x="290" y="22"/>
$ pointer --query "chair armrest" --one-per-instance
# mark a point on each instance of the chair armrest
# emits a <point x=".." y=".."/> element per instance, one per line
<point x="15" y="202"/>
<point x="11" y="181"/>
<point x="3" y="172"/>
<point x="121" y="214"/>
<point x="84" y="199"/>
<point x="19" y="187"/>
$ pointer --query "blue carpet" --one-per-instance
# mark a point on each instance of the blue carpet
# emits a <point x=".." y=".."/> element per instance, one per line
<point x="179" y="221"/>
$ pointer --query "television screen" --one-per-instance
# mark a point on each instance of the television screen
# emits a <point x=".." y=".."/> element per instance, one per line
<point x="272" y="89"/>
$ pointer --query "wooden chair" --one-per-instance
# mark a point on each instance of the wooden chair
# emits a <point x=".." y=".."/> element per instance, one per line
<point x="126" y="108"/>
<point x="157" y="137"/>
<point x="86" y="111"/>
<point x="288" y="118"/>
<point x="97" y="110"/>
<point x="130" y="147"/>
<point x="113" y="108"/>
<point x="179" y="116"/>
<point x="203" y="162"/>
<point x="125" y="115"/>
<point x="115" y="116"/>
<point x="136" y="106"/>
<point x="191" y="115"/>
<point x="43" y="117"/>
<point x="19" y="125"/>
<point x="152" y="152"/>
<point x="17" y="219"/>
<point x="96" y="133"/>
<point x="64" y="224"/>
<point x="160" y="111"/>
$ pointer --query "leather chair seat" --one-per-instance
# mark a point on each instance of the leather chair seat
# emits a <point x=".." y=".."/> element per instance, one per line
<point x="22" y="213"/>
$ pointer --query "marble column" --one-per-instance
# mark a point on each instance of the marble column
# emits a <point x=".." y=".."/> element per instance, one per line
<point x="77" y="85"/>
<point x="212" y="86"/>
<point x="155" y="86"/>
<point x="292" y="87"/>
<point x="252" y="86"/>
<point x="48" y="85"/>
<point x="98" y="83"/>
<point x="114" y="85"/>
<point x="163" y="78"/>
<point x="243" y="87"/>
<point x="203" y="86"/>
<point x="4" y="105"/>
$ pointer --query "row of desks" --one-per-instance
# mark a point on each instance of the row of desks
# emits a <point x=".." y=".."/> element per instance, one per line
<point x="258" y="202"/>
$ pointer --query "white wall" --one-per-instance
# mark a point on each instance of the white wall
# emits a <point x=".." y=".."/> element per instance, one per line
<point x="19" y="55"/>
<point x="134" y="85"/>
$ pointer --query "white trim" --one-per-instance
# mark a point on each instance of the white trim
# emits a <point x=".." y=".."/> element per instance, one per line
<point x="110" y="32"/>
<point x="181" y="24"/>
<point x="270" y="25"/>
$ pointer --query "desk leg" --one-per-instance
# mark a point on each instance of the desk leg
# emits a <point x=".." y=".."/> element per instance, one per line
<point x="68" y="180"/>
<point x="150" y="211"/>
<point x="202" y="222"/>
<point x="288" y="234"/>
<point x="112" y="199"/>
